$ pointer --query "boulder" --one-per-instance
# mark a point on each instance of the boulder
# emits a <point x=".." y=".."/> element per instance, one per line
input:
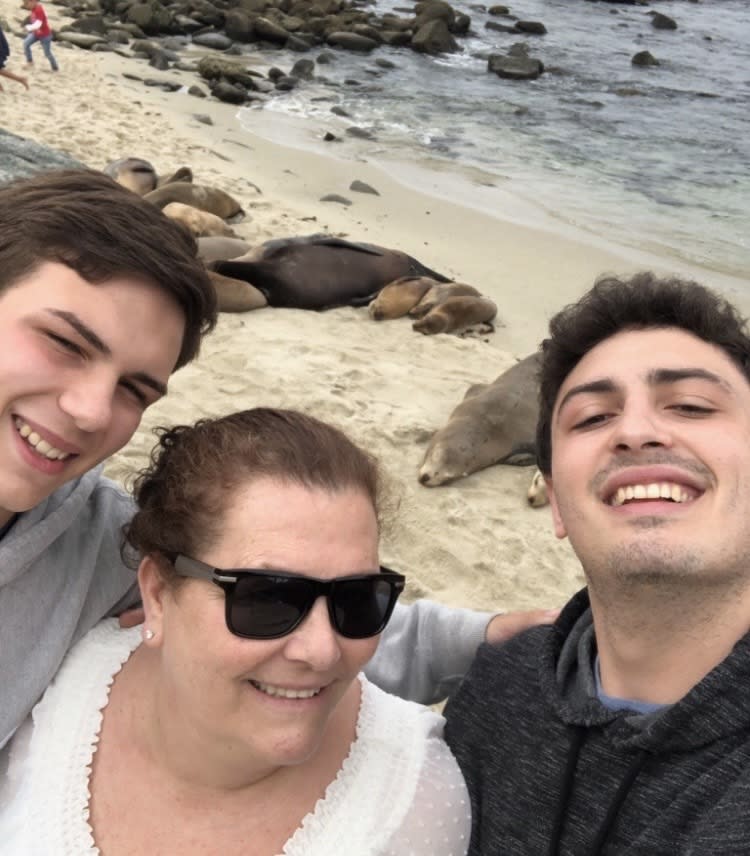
<point x="213" y="68"/>
<point x="515" y="66"/>
<point x="151" y="17"/>
<point x="270" y="32"/>
<point x="434" y="10"/>
<point x="304" y="69"/>
<point x="238" y="25"/>
<point x="229" y="92"/>
<point x="662" y="22"/>
<point x="434" y="38"/>
<point x="352" y="42"/>
<point x="644" y="59"/>
<point x="20" y="157"/>
<point x="534" y="28"/>
<point x="216" y="41"/>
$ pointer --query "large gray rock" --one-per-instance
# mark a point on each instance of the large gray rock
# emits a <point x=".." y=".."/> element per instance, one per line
<point x="352" y="42"/>
<point x="20" y="157"/>
<point x="515" y="66"/>
<point x="217" y="41"/>
<point x="662" y="22"/>
<point x="434" y="38"/>
<point x="239" y="25"/>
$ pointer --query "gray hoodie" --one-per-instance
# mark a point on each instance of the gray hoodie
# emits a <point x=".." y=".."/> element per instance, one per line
<point x="553" y="772"/>
<point x="61" y="572"/>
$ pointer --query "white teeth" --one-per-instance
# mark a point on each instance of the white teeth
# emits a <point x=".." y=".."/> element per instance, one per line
<point x="281" y="692"/>
<point x="39" y="445"/>
<point x="656" y="490"/>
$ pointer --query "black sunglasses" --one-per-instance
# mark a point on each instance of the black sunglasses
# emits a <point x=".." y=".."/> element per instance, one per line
<point x="269" y="604"/>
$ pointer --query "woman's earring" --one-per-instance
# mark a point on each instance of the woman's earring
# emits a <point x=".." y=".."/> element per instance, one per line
<point x="148" y="634"/>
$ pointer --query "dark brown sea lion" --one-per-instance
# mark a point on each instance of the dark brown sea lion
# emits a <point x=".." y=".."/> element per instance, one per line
<point x="396" y="298"/>
<point x="440" y="292"/>
<point x="494" y="424"/>
<point x="209" y="199"/>
<point x="320" y="272"/>
<point x="234" y="295"/>
<point x="454" y="314"/>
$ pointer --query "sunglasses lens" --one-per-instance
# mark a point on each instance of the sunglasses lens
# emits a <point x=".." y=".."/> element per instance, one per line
<point x="361" y="608"/>
<point x="265" y="607"/>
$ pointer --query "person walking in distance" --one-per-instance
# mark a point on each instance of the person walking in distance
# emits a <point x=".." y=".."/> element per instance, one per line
<point x="38" y="31"/>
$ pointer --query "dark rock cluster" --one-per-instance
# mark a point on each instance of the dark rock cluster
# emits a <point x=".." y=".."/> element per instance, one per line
<point x="160" y="29"/>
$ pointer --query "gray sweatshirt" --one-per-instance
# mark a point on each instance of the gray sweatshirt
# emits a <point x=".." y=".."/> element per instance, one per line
<point x="553" y="772"/>
<point x="61" y="572"/>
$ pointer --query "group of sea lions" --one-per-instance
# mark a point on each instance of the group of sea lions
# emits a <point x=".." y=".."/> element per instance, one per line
<point x="493" y="424"/>
<point x="438" y="306"/>
<point x="202" y="210"/>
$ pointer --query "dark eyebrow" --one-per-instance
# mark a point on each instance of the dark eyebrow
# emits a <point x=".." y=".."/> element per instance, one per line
<point x="85" y="332"/>
<point x="656" y="377"/>
<point x="91" y="337"/>
<point x="604" y="385"/>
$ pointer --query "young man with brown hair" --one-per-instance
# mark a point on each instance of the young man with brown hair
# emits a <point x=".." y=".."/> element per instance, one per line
<point x="625" y="727"/>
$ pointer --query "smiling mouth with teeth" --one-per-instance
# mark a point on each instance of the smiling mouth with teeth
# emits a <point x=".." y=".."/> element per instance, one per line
<point x="41" y="447"/>
<point x="658" y="490"/>
<point x="281" y="692"/>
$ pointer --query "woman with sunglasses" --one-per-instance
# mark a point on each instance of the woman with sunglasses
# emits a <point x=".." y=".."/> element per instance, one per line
<point x="239" y="722"/>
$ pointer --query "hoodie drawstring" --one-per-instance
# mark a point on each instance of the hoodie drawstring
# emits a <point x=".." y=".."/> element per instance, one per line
<point x="577" y="740"/>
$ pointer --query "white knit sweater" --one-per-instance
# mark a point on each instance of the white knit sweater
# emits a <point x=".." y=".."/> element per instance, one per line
<point x="399" y="791"/>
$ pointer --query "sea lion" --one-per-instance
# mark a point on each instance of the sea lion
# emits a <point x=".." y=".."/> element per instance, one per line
<point x="439" y="293"/>
<point x="184" y="173"/>
<point x="396" y="298"/>
<point x="494" y="424"/>
<point x="454" y="314"/>
<point x="215" y="248"/>
<point x="199" y="223"/>
<point x="136" y="174"/>
<point x="537" y="492"/>
<point x="234" y="295"/>
<point x="209" y="199"/>
<point x="320" y="272"/>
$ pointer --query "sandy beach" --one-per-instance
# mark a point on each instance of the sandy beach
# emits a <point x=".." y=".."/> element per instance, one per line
<point x="475" y="543"/>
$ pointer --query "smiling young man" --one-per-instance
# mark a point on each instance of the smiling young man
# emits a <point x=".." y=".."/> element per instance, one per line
<point x="101" y="299"/>
<point x="625" y="728"/>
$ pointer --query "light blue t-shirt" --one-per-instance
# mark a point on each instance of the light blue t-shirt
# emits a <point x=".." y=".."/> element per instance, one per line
<point x="615" y="703"/>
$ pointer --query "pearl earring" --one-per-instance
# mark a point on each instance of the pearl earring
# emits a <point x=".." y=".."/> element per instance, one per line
<point x="148" y="634"/>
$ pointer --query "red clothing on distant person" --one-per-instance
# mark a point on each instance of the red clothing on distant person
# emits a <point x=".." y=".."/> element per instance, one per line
<point x="38" y="14"/>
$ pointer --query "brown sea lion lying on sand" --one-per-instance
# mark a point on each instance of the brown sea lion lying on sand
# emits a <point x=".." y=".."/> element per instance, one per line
<point x="217" y="248"/>
<point x="455" y="314"/>
<point x="209" y="199"/>
<point x="140" y="176"/>
<point x="199" y="223"/>
<point x="234" y="295"/>
<point x="494" y="424"/>
<point x="320" y="272"/>
<point x="415" y="296"/>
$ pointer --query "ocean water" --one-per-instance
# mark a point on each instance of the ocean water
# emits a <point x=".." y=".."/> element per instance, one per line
<point x="657" y="159"/>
